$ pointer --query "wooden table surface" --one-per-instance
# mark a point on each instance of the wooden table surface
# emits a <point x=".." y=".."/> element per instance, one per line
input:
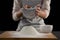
<point x="13" y="35"/>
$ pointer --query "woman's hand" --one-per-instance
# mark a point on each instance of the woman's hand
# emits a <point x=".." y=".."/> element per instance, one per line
<point x="19" y="14"/>
<point x="39" y="12"/>
<point x="27" y="6"/>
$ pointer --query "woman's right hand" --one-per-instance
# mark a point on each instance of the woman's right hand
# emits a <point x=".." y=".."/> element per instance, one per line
<point x="19" y="14"/>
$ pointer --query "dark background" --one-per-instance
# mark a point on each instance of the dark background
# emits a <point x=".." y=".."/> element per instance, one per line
<point x="7" y="23"/>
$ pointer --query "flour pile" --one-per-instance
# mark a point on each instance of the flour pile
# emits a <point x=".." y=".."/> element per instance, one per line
<point x="29" y="30"/>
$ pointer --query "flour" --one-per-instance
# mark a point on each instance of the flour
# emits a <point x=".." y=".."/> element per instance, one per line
<point x="29" y="30"/>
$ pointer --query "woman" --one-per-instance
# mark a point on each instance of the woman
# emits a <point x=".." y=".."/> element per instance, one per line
<point x="42" y="13"/>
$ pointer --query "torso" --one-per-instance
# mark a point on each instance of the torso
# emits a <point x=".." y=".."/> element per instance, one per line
<point x="37" y="19"/>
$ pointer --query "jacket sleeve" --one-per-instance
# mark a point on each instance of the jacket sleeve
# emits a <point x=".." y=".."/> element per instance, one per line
<point x="46" y="7"/>
<point x="16" y="7"/>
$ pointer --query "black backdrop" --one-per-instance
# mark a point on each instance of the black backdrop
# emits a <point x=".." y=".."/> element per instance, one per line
<point x="7" y="23"/>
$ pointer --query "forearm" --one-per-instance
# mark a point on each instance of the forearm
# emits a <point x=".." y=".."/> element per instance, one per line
<point x="16" y="12"/>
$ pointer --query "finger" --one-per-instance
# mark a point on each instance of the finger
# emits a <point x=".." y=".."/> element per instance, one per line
<point x="28" y="6"/>
<point x="36" y="13"/>
<point x="25" y="6"/>
<point x="38" y="8"/>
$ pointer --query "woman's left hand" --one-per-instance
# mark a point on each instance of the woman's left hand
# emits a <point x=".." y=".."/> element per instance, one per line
<point x="38" y="10"/>
<point x="40" y="13"/>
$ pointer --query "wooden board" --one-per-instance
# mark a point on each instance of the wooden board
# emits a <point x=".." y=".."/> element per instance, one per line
<point x="13" y="35"/>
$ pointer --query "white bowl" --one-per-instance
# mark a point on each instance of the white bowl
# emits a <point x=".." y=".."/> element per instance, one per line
<point x="46" y="28"/>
